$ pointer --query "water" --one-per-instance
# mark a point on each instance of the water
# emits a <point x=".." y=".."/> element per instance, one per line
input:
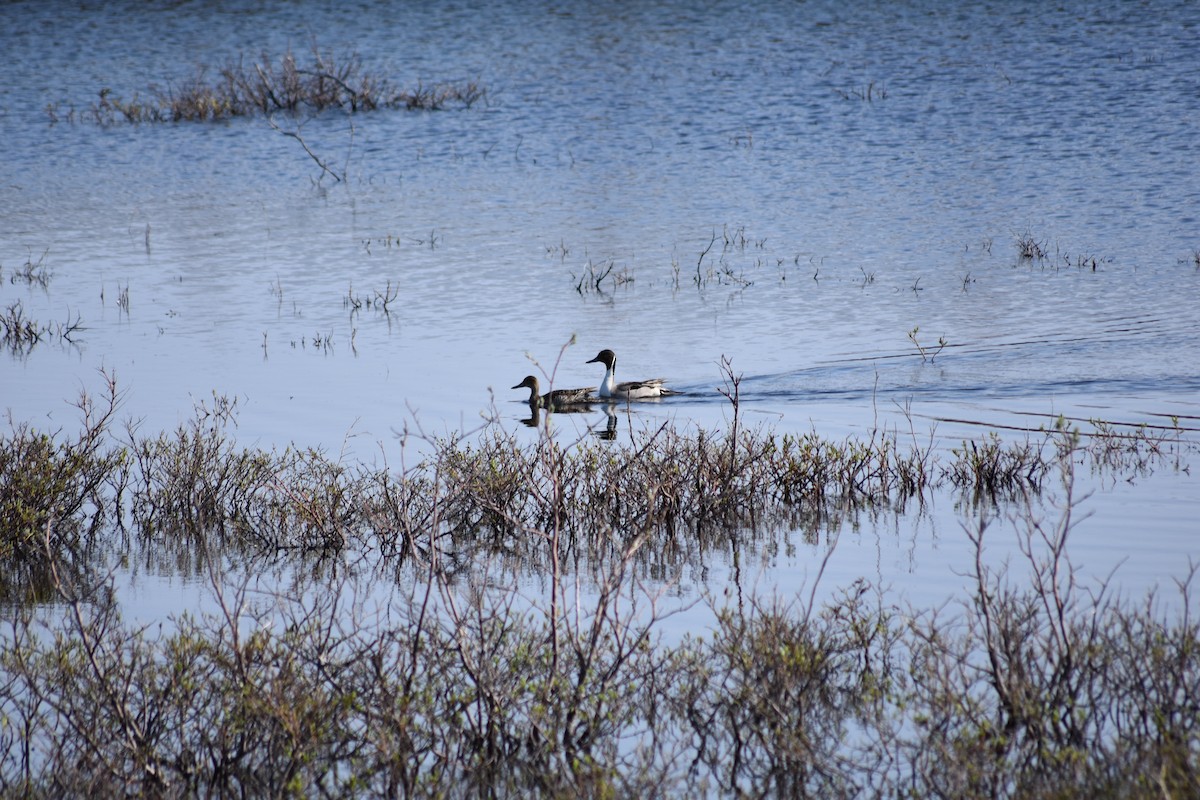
<point x="848" y="174"/>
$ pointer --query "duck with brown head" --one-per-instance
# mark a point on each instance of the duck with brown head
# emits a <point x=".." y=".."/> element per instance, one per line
<point x="558" y="398"/>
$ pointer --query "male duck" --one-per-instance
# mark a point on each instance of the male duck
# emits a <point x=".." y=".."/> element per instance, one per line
<point x="630" y="390"/>
<point x="557" y="398"/>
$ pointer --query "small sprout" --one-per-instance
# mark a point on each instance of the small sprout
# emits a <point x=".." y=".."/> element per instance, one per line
<point x="926" y="354"/>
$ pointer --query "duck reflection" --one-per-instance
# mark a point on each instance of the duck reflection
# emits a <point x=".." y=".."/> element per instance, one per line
<point x="609" y="433"/>
<point x="535" y="413"/>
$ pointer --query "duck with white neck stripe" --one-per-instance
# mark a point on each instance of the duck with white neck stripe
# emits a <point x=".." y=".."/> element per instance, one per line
<point x="629" y="390"/>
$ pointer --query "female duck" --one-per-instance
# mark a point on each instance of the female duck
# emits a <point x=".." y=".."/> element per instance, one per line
<point x="630" y="390"/>
<point x="557" y="398"/>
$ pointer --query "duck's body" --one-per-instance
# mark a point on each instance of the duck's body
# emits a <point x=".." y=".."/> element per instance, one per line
<point x="558" y="398"/>
<point x="629" y="390"/>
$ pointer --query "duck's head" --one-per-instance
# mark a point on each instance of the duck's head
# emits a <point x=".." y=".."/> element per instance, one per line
<point x="605" y="357"/>
<point x="530" y="382"/>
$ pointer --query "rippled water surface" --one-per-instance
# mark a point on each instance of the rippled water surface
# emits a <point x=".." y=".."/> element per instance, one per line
<point x="794" y="186"/>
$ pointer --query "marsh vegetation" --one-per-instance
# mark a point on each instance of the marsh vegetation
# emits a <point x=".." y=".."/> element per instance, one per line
<point x="454" y="680"/>
<point x="266" y="85"/>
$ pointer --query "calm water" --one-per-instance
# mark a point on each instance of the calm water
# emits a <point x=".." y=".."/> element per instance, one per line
<point x="859" y="173"/>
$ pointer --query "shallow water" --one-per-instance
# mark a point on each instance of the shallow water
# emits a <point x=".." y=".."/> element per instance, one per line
<point x="858" y="173"/>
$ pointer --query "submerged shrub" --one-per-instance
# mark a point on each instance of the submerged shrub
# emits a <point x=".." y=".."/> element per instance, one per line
<point x="50" y="483"/>
<point x="268" y="86"/>
<point x="196" y="482"/>
<point x="769" y="703"/>
<point x="18" y="332"/>
<point x="468" y="688"/>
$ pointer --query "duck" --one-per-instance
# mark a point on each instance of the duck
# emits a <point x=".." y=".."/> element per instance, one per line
<point x="557" y="398"/>
<point x="629" y="390"/>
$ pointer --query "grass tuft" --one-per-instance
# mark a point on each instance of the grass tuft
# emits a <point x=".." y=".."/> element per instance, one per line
<point x="1030" y="248"/>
